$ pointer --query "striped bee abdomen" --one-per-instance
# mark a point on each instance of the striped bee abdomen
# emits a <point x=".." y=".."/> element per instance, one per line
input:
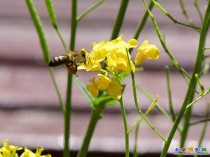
<point x="58" y="61"/>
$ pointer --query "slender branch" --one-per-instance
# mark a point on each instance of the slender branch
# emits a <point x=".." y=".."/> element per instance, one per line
<point x="196" y="3"/>
<point x="125" y="127"/>
<point x="192" y="84"/>
<point x="173" y="60"/>
<point x="82" y="15"/>
<point x="143" y="21"/>
<point x="119" y="20"/>
<point x="200" y="121"/>
<point x="53" y="19"/>
<point x="204" y="126"/>
<point x="164" y="11"/>
<point x="169" y="93"/>
<point x="184" y="11"/>
<point x="44" y="45"/>
<point x="96" y="115"/>
<point x="136" y="102"/>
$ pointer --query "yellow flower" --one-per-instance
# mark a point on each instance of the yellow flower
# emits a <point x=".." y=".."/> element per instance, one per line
<point x="92" y="62"/>
<point x="8" y="150"/>
<point x="93" y="88"/>
<point x="119" y="62"/>
<point x="104" y="83"/>
<point x="115" y="90"/>
<point x="133" y="43"/>
<point x="147" y="51"/>
<point x="29" y="153"/>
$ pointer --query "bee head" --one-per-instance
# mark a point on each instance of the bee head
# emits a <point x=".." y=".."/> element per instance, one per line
<point x="83" y="53"/>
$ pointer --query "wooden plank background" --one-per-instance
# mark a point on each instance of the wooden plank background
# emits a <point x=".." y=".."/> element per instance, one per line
<point x="30" y="112"/>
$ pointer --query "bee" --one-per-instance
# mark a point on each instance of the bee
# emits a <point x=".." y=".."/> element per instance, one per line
<point x="72" y="59"/>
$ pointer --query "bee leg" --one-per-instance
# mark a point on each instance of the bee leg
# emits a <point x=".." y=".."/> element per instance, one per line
<point x="72" y="69"/>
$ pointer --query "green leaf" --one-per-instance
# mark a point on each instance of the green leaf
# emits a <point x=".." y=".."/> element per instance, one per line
<point x="84" y="90"/>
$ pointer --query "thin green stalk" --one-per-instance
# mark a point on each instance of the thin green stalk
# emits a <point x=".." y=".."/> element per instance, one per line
<point x="136" y="124"/>
<point x="193" y="80"/>
<point x="73" y="24"/>
<point x="169" y="94"/>
<point x="39" y="28"/>
<point x="196" y="3"/>
<point x="125" y="127"/>
<point x="137" y="105"/>
<point x="52" y="16"/>
<point x="119" y="20"/>
<point x="69" y="81"/>
<point x="200" y="121"/>
<point x="143" y="21"/>
<point x="159" y="108"/>
<point x="96" y="115"/>
<point x="198" y="98"/>
<point x="205" y="125"/>
<point x="135" y="150"/>
<point x="67" y="118"/>
<point x="184" y="11"/>
<point x="57" y="90"/>
<point x="203" y="132"/>
<point x="82" y="15"/>
<point x="154" y="103"/>
<point x="164" y="11"/>
<point x="44" y="45"/>
<point x="189" y="109"/>
<point x="173" y="60"/>
<point x="61" y="39"/>
<point x="186" y="125"/>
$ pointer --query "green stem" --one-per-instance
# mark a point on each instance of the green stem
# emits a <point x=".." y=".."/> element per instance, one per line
<point x="184" y="11"/>
<point x="135" y="150"/>
<point x="125" y="127"/>
<point x="52" y="16"/>
<point x="143" y="21"/>
<point x="61" y="39"/>
<point x="67" y="117"/>
<point x="73" y="24"/>
<point x="200" y="121"/>
<point x="168" y="52"/>
<point x="196" y="3"/>
<point x="193" y="80"/>
<point x="205" y="125"/>
<point x="95" y="116"/>
<point x="159" y="108"/>
<point x="119" y="20"/>
<point x="39" y="28"/>
<point x="57" y="90"/>
<point x="186" y="125"/>
<point x="198" y="98"/>
<point x="82" y="15"/>
<point x="136" y="102"/>
<point x="44" y="45"/>
<point x="164" y="11"/>
<point x="169" y="93"/>
<point x="69" y="82"/>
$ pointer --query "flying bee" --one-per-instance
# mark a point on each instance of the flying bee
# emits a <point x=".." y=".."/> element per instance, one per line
<point x="72" y="59"/>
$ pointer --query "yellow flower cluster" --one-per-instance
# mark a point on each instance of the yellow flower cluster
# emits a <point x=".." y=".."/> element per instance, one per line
<point x="10" y="151"/>
<point x="113" y="53"/>
<point x="116" y="59"/>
